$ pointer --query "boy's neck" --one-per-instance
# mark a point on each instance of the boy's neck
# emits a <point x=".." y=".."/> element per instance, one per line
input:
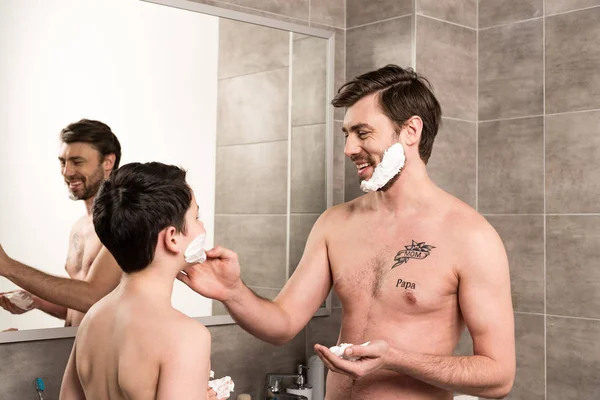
<point x="153" y="280"/>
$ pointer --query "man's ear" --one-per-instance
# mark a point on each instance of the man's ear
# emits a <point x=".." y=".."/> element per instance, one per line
<point x="108" y="164"/>
<point x="171" y="240"/>
<point x="412" y="130"/>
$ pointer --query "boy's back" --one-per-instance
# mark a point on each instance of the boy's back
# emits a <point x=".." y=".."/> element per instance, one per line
<point x="131" y="346"/>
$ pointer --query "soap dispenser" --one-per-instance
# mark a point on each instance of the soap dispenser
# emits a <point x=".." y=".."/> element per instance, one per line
<point x="301" y="387"/>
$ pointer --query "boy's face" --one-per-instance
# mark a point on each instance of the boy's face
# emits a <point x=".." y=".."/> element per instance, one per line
<point x="193" y="223"/>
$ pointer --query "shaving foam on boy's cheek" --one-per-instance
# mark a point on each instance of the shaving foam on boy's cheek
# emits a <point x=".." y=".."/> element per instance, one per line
<point x="195" y="251"/>
<point x="391" y="163"/>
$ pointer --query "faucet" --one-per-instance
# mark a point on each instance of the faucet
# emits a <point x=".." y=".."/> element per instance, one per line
<point x="273" y="390"/>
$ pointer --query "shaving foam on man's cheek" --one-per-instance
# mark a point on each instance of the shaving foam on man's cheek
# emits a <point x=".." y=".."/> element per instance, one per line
<point x="195" y="251"/>
<point x="392" y="162"/>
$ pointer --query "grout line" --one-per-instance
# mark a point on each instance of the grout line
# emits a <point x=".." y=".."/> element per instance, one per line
<point x="574" y="112"/>
<point x="413" y="35"/>
<point x="251" y="143"/>
<point x="574" y="215"/>
<point x="541" y="215"/>
<point x="345" y="18"/>
<point x="511" y="215"/>
<point x="253" y="73"/>
<point x="541" y="115"/>
<point x="477" y="106"/>
<point x="510" y="23"/>
<point x="570" y="11"/>
<point x="544" y="185"/>
<point x="289" y="160"/>
<point x="511" y="118"/>
<point x="458" y="119"/>
<point x="447" y="22"/>
<point x="376" y="22"/>
<point x="571" y="317"/>
<point x="529" y="313"/>
<point x="313" y="124"/>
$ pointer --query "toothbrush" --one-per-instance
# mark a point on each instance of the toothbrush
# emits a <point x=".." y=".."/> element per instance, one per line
<point x="39" y="386"/>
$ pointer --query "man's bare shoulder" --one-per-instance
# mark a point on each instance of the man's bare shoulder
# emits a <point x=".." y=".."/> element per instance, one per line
<point x="471" y="232"/>
<point x="343" y="211"/>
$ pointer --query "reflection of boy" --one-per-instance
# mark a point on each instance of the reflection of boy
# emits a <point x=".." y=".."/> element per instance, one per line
<point x="133" y="343"/>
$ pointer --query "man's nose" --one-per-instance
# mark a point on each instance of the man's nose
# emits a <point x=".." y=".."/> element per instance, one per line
<point x="352" y="147"/>
<point x="67" y="170"/>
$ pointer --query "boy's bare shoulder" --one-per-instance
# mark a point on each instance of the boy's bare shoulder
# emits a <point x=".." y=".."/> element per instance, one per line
<point x="185" y="332"/>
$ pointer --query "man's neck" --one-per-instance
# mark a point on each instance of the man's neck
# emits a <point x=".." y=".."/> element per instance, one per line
<point x="412" y="190"/>
<point x="89" y="203"/>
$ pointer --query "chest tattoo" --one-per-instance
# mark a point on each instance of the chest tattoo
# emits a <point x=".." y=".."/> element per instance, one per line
<point x="416" y="250"/>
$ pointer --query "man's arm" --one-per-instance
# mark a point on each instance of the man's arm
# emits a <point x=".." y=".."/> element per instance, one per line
<point x="185" y="369"/>
<point x="52" y="309"/>
<point x="104" y="275"/>
<point x="486" y="305"/>
<point x="275" y="321"/>
<point x="71" y="389"/>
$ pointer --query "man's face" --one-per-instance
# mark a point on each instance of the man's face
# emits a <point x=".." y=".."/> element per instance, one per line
<point x="369" y="132"/>
<point x="81" y="168"/>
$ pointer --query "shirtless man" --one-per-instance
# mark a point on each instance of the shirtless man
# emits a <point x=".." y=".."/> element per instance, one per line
<point x="411" y="265"/>
<point x="88" y="154"/>
<point x="133" y="344"/>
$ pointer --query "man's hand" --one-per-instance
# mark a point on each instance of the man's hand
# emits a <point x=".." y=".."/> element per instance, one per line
<point x="212" y="395"/>
<point x="10" y="307"/>
<point x="372" y="358"/>
<point x="217" y="278"/>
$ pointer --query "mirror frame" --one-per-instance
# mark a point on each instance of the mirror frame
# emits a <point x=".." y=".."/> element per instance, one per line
<point x="214" y="320"/>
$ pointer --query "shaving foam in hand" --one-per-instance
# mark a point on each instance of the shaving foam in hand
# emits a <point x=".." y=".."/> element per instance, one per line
<point x="339" y="350"/>
<point x="392" y="162"/>
<point x="195" y="251"/>
<point x="223" y="387"/>
<point x="21" y="299"/>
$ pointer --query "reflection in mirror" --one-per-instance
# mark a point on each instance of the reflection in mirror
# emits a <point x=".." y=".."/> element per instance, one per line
<point x="242" y="107"/>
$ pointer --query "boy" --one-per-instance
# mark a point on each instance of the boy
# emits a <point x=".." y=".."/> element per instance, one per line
<point x="133" y="344"/>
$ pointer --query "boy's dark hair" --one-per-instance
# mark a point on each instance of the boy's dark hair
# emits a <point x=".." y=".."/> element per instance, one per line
<point x="97" y="134"/>
<point x="402" y="94"/>
<point x="134" y="205"/>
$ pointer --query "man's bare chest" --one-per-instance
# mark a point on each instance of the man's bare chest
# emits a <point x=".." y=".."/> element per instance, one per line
<point x="410" y="272"/>
<point x="83" y="249"/>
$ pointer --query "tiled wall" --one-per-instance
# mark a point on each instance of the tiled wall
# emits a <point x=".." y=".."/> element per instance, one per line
<point x="539" y="182"/>
<point x="520" y="93"/>
<point x="234" y="352"/>
<point x="252" y="152"/>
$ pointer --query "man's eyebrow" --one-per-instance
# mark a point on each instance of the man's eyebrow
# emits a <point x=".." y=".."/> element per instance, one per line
<point x="357" y="127"/>
<point x="76" y="158"/>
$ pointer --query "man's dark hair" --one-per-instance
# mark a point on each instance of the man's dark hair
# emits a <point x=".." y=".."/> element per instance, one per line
<point x="402" y="94"/>
<point x="97" y="134"/>
<point x="134" y="205"/>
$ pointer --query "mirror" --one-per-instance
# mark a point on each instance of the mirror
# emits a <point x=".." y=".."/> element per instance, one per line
<point x="240" y="101"/>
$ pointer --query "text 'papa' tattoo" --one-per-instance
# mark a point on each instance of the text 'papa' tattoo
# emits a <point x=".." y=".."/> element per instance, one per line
<point x="414" y="250"/>
<point x="405" y="284"/>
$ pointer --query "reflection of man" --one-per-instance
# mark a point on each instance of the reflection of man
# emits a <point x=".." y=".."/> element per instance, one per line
<point x="89" y="152"/>
<point x="147" y="216"/>
<point x="411" y="264"/>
